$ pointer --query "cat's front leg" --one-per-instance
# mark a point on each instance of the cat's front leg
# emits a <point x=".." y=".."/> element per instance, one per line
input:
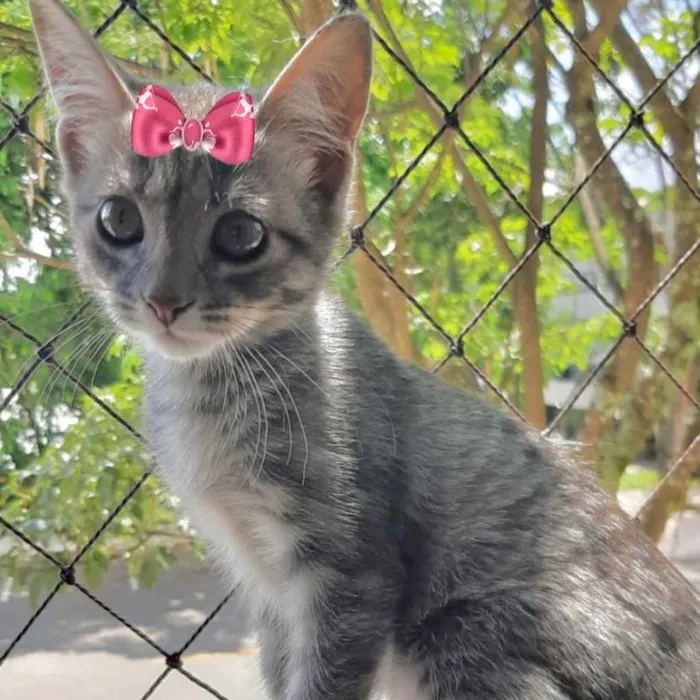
<point x="274" y="651"/>
<point x="349" y="632"/>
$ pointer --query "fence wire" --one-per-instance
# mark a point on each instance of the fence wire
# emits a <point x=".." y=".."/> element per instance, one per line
<point x="358" y="244"/>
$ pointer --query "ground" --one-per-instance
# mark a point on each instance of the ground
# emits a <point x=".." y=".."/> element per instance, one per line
<point x="76" y="651"/>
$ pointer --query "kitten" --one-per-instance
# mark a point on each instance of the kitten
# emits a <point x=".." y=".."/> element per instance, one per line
<point x="395" y="536"/>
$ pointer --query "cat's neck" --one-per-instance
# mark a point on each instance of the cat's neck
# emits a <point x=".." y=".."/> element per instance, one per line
<point x="264" y="402"/>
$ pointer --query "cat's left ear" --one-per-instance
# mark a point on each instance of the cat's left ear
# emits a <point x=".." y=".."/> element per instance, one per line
<point x="89" y="93"/>
<point x="318" y="103"/>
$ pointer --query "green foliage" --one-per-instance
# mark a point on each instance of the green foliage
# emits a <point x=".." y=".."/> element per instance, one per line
<point x="65" y="464"/>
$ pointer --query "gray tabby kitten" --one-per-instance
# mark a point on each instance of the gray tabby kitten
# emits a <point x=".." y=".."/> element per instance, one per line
<point x="396" y="537"/>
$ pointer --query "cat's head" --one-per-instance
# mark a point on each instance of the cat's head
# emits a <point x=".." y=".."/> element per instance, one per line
<point x="187" y="253"/>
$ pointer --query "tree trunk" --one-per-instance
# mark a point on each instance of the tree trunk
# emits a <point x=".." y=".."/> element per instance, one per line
<point x="525" y="310"/>
<point x="671" y="494"/>
<point x="680" y="354"/>
<point x="525" y="283"/>
<point x="313" y="14"/>
<point x="616" y="379"/>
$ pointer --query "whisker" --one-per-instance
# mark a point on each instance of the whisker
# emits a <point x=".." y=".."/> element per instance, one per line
<point x="33" y="312"/>
<point x="57" y="371"/>
<point x="299" y="369"/>
<point x="286" y="418"/>
<point x="96" y="343"/>
<point x="261" y="417"/>
<point x="267" y="424"/>
<point x="296" y="410"/>
<point x="227" y="362"/>
<point x="110" y="339"/>
<point x="58" y="374"/>
<point x="70" y="330"/>
<point x="246" y="403"/>
<point x="311" y="381"/>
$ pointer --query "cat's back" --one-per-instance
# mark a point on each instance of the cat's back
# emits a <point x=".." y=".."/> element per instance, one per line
<point x="548" y="554"/>
<point x="506" y="524"/>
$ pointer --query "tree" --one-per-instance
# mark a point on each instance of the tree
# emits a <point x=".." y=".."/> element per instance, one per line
<point x="448" y="235"/>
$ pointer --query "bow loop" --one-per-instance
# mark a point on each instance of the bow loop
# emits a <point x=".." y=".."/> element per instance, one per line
<point x="227" y="132"/>
<point x="232" y="123"/>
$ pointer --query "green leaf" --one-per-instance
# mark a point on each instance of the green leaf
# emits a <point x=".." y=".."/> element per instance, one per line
<point x="149" y="569"/>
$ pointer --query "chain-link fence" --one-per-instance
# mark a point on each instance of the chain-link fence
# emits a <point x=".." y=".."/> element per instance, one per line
<point x="449" y="118"/>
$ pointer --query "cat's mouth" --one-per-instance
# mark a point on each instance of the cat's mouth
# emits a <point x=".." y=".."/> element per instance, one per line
<point x="183" y="340"/>
<point x="188" y="338"/>
<point x="177" y="345"/>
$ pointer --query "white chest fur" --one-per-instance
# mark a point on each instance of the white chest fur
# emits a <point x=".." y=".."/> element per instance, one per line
<point x="243" y="521"/>
<point x="246" y="525"/>
<point x="398" y="679"/>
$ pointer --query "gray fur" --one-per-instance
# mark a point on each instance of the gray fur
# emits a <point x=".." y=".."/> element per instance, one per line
<point x="392" y="533"/>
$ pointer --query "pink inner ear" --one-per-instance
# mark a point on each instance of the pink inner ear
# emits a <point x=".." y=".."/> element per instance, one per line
<point x="333" y="170"/>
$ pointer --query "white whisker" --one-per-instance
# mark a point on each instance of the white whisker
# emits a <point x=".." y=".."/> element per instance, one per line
<point x="57" y="373"/>
<point x="70" y="330"/>
<point x="97" y="342"/>
<point x="298" y="414"/>
<point x="258" y="392"/>
<point x="72" y="363"/>
<point x="258" y="356"/>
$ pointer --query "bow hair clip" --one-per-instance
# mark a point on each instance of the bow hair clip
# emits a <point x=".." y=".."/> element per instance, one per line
<point x="227" y="131"/>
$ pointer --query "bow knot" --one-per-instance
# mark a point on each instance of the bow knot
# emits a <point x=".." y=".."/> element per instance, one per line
<point x="226" y="132"/>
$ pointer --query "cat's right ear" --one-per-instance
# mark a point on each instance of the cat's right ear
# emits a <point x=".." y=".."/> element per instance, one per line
<point x="89" y="94"/>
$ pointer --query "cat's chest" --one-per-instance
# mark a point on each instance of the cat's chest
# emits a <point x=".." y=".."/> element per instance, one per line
<point x="244" y="519"/>
<point x="248" y="534"/>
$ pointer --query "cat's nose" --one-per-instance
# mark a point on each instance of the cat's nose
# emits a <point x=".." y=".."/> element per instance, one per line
<point x="167" y="310"/>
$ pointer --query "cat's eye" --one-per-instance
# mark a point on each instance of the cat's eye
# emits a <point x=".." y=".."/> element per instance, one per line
<point x="119" y="221"/>
<point x="239" y="237"/>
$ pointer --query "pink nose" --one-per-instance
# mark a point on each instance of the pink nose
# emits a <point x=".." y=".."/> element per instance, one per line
<point x="167" y="310"/>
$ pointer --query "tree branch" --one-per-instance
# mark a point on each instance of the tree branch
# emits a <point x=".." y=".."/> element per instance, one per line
<point x="23" y="39"/>
<point x="691" y="103"/>
<point x="670" y="493"/>
<point x="616" y="380"/>
<point x="21" y="251"/>
<point x="619" y="198"/>
<point x="313" y="14"/>
<point x="538" y="134"/>
<point x="487" y="46"/>
<point x="590" y="214"/>
<point x="421" y="198"/>
<point x="474" y="192"/>
<point x="395" y="109"/>
<point x="371" y="284"/>
<point x="293" y="18"/>
<point x="22" y="36"/>
<point x="629" y="49"/>
<point x="526" y="284"/>
<point x="524" y="304"/>
<point x="608" y="15"/>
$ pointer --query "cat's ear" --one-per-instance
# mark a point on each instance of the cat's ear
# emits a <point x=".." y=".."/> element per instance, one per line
<point x="320" y="99"/>
<point x="88" y="92"/>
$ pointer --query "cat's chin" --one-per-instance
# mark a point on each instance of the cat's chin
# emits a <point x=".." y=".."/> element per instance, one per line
<point x="179" y="349"/>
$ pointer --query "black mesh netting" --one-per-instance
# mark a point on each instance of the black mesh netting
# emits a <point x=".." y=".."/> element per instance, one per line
<point x="447" y="118"/>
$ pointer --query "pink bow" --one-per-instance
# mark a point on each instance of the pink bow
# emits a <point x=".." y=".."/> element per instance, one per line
<point x="227" y="131"/>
